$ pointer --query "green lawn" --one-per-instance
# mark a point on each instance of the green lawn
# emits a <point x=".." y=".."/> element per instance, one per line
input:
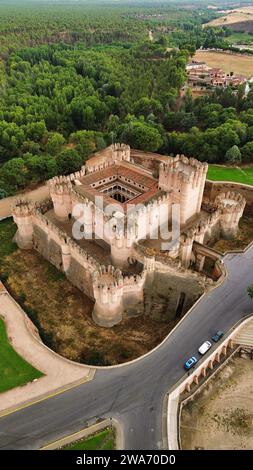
<point x="239" y="38"/>
<point x="14" y="370"/>
<point x="103" y="440"/>
<point x="238" y="175"/>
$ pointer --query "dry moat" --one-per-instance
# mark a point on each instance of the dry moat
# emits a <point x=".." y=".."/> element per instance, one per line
<point x="63" y="314"/>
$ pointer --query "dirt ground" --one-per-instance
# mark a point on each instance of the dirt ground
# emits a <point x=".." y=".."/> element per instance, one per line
<point x="244" y="237"/>
<point x="236" y="16"/>
<point x="63" y="314"/>
<point x="221" y="416"/>
<point x="239" y="64"/>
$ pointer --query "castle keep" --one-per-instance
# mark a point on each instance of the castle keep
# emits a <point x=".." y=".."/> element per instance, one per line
<point x="137" y="193"/>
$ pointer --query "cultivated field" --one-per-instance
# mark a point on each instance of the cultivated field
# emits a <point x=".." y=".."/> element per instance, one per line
<point x="235" y="16"/>
<point x="239" y="64"/>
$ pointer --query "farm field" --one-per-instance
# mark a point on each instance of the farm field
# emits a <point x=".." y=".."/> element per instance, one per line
<point x="14" y="371"/>
<point x="236" y="174"/>
<point x="237" y="37"/>
<point x="236" y="63"/>
<point x="236" y="16"/>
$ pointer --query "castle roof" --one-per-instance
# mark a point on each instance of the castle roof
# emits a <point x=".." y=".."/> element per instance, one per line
<point x="142" y="187"/>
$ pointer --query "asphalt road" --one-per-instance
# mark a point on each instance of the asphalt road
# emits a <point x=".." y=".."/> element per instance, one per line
<point x="134" y="394"/>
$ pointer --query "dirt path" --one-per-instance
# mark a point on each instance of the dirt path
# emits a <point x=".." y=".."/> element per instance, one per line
<point x="59" y="372"/>
<point x="35" y="195"/>
<point x="221" y="416"/>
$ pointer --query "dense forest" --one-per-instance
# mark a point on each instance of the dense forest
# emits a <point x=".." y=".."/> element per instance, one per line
<point x="73" y="79"/>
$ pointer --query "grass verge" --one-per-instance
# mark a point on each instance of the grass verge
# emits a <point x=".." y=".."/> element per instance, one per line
<point x="14" y="371"/>
<point x="102" y="440"/>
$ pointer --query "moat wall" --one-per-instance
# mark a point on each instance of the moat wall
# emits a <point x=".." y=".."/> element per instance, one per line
<point x="168" y="296"/>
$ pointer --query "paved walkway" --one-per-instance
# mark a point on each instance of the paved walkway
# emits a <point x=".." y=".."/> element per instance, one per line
<point x="59" y="372"/>
<point x="35" y="195"/>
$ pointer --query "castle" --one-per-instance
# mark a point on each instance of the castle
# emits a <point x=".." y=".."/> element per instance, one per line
<point x="137" y="194"/>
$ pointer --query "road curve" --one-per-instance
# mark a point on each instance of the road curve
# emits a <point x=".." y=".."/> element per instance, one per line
<point x="134" y="393"/>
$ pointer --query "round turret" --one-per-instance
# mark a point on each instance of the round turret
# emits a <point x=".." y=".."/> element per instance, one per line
<point x="230" y="206"/>
<point x="108" y="294"/>
<point x="61" y="197"/>
<point x="22" y="212"/>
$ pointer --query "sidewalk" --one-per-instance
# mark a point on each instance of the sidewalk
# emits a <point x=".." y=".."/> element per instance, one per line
<point x="59" y="373"/>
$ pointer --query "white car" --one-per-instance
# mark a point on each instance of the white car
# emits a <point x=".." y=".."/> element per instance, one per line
<point x="204" y="347"/>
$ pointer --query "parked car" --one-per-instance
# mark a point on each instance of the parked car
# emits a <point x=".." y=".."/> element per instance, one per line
<point x="204" y="347"/>
<point x="190" y="363"/>
<point x="218" y="335"/>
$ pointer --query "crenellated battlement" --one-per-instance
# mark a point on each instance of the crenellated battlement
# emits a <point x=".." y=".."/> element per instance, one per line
<point x="67" y="178"/>
<point x="230" y="206"/>
<point x="184" y="166"/>
<point x="63" y="187"/>
<point x="99" y="167"/>
<point x="120" y="152"/>
<point x="23" y="211"/>
<point x="107" y="276"/>
<point x="135" y="205"/>
<point x="230" y="201"/>
<point x="22" y="207"/>
<point x="108" y="294"/>
<point x="185" y="179"/>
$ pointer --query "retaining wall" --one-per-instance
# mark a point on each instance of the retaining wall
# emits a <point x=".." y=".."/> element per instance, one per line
<point x="186" y="382"/>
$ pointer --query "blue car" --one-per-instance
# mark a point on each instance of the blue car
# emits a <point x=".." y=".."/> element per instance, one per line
<point x="190" y="363"/>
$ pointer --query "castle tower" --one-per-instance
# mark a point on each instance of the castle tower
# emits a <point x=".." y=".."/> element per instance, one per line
<point x="121" y="247"/>
<point x="200" y="233"/>
<point x="22" y="215"/>
<point x="60" y="193"/>
<point x="230" y="206"/>
<point x="108" y="294"/>
<point x="120" y="152"/>
<point x="185" y="179"/>
<point x="186" y="247"/>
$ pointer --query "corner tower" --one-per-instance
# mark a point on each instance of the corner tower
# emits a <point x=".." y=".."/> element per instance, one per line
<point x="120" y="152"/>
<point x="185" y="179"/>
<point x="22" y="215"/>
<point x="230" y="206"/>
<point x="108" y="294"/>
<point x="60" y="193"/>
